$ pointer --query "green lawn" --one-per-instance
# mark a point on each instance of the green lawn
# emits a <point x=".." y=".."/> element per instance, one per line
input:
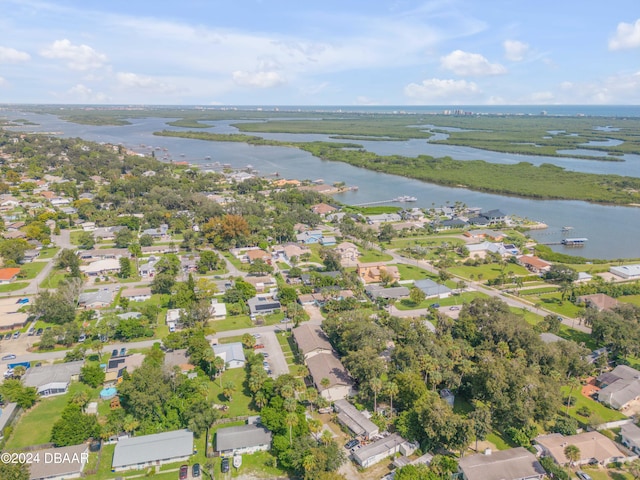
<point x="633" y="299"/>
<point x="465" y="297"/>
<point x="47" y="253"/>
<point x="53" y="279"/>
<point x="500" y="441"/>
<point x="34" y="427"/>
<point x="569" y="333"/>
<point x="12" y="287"/>
<point x="231" y="323"/>
<point x="74" y="237"/>
<point x="607" y="414"/>
<point x="488" y="271"/>
<point x="411" y="272"/>
<point x="31" y="270"/>
<point x="431" y="241"/>
<point x="530" y="317"/>
<point x="235" y="262"/>
<point x="286" y="342"/>
<point x="553" y="302"/>
<point x="368" y="256"/>
<point x="241" y="401"/>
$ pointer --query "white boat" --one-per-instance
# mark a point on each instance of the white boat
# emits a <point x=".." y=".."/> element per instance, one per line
<point x="405" y="198"/>
<point x="566" y="229"/>
<point x="237" y="461"/>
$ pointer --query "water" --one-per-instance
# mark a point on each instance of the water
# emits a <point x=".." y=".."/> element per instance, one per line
<point x="612" y="230"/>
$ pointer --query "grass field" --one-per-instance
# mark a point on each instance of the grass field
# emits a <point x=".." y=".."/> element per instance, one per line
<point x="12" y="287"/>
<point x="31" y="270"/>
<point x="553" y="302"/>
<point x="47" y="253"/>
<point x="463" y="298"/>
<point x="605" y="413"/>
<point x="488" y="271"/>
<point x="53" y="279"/>
<point x="241" y="400"/>
<point x="286" y="342"/>
<point x="34" y="427"/>
<point x="373" y="256"/>
<point x="411" y="272"/>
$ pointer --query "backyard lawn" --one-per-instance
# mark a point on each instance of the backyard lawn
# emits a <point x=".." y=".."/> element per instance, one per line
<point x="487" y="271"/>
<point x="411" y="272"/>
<point x="241" y="399"/>
<point x="597" y="408"/>
<point x="463" y="298"/>
<point x="31" y="270"/>
<point x="368" y="256"/>
<point x="53" y="279"/>
<point x="34" y="426"/>
<point x="47" y="253"/>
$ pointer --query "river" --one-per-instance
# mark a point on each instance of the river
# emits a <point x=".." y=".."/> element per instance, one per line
<point x="612" y="230"/>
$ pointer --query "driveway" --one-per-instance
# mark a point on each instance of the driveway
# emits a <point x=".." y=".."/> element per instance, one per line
<point x="276" y="358"/>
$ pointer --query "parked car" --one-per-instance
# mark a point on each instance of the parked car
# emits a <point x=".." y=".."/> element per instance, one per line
<point x="184" y="472"/>
<point x="195" y="470"/>
<point x="351" y="443"/>
<point x="31" y="332"/>
<point x="8" y="336"/>
<point x="264" y="354"/>
<point x="9" y="356"/>
<point x="82" y="338"/>
<point x="224" y="466"/>
<point x="114" y="353"/>
<point x="123" y="352"/>
<point x="455" y="307"/>
<point x="583" y="476"/>
<point x="258" y="345"/>
<point x="16" y="335"/>
<point x="256" y="335"/>
<point x="435" y="305"/>
<point x="39" y="332"/>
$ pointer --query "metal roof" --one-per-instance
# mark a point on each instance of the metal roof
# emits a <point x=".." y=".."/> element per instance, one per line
<point x="150" y="448"/>
<point x="242" y="436"/>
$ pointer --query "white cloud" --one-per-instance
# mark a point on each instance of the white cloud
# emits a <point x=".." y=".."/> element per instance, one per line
<point x="465" y="63"/>
<point x="515" y="50"/>
<point x="8" y="54"/>
<point x="258" y="79"/>
<point x="78" y="57"/>
<point x="129" y="80"/>
<point x="83" y="94"/>
<point x="627" y="36"/>
<point x="3" y="82"/>
<point x="447" y="90"/>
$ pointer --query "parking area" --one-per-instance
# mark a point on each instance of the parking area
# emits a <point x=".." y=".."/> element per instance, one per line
<point x="275" y="357"/>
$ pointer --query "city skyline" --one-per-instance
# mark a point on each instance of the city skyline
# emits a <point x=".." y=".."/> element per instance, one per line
<point x="352" y="53"/>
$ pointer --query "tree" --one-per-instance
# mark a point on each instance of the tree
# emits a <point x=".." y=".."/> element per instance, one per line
<point x="12" y="250"/>
<point x="291" y="419"/>
<point x="145" y="240"/>
<point x="14" y="471"/>
<point x="92" y="375"/>
<point x="74" y="427"/>
<point x="416" y="295"/>
<point x="375" y="384"/>
<point x="67" y="259"/>
<point x="390" y="390"/>
<point x="260" y="267"/>
<point x="208" y="261"/>
<point x="15" y="391"/>
<point x="97" y="347"/>
<point x="125" y="267"/>
<point x="634" y="469"/>
<point x="386" y="233"/>
<point x="248" y="340"/>
<point x="481" y="418"/>
<point x="573" y="383"/>
<point x="123" y="238"/>
<point x="572" y="453"/>
<point x="228" y="389"/>
<point x="86" y="241"/>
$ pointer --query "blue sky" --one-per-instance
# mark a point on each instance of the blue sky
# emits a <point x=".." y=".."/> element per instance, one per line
<point x="307" y="52"/>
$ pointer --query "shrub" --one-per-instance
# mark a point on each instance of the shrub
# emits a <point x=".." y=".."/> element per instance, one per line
<point x="583" y="411"/>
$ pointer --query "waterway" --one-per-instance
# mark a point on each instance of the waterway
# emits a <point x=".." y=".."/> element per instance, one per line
<point x="612" y="230"/>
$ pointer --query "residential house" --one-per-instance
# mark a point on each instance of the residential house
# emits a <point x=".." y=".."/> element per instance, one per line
<point x="534" y="264"/>
<point x="71" y="463"/>
<point x="103" y="254"/>
<point x="174" y="316"/>
<point x="178" y="358"/>
<point x="117" y="365"/>
<point x="355" y="420"/>
<point x="242" y="439"/>
<point x="231" y="353"/>
<point x="512" y="464"/>
<point x="107" y="233"/>
<point x="328" y="366"/>
<point x="323" y="209"/>
<point x="432" y="289"/>
<point x="101" y="267"/>
<point x="54" y="379"/>
<point x="628" y="272"/>
<point x="258" y="254"/>
<point x="481" y="249"/>
<point x="348" y="254"/>
<point x="599" y="301"/>
<point x="93" y="300"/>
<point x="10" y="318"/>
<point x="261" y="305"/>
<point x="8" y="275"/>
<point x="311" y="340"/>
<point x="262" y="283"/>
<point x="594" y="448"/>
<point x="379" y="450"/>
<point x="630" y="435"/>
<point x="152" y="450"/>
<point x="291" y="250"/>
<point x="159" y="249"/>
<point x="162" y="232"/>
<point x="494" y="216"/>
<point x="30" y="255"/>
<point x="450" y="224"/>
<point x="620" y="387"/>
<point x="309" y="237"/>
<point x="139" y="294"/>
<point x="328" y="241"/>
<point x="391" y="293"/>
<point x="373" y="272"/>
<point x="383" y="218"/>
<point x="493" y="235"/>
<point x="218" y="311"/>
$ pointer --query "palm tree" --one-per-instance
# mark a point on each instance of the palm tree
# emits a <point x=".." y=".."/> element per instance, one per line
<point x="130" y="424"/>
<point x="375" y="384"/>
<point x="218" y="364"/>
<point x="315" y="426"/>
<point x="309" y="463"/>
<point x="287" y="391"/>
<point x="290" y="404"/>
<point x="634" y="469"/>
<point x="97" y="346"/>
<point x="572" y="453"/>
<point x="260" y="399"/>
<point x="391" y="390"/>
<point x="312" y="396"/>
<point x="324" y="383"/>
<point x="291" y="420"/>
<point x="573" y="383"/>
<point x="228" y="389"/>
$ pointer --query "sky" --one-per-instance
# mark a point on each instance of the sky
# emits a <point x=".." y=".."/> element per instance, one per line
<point x="309" y="52"/>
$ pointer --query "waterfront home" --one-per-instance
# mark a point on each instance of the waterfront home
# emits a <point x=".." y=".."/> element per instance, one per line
<point x="627" y="272"/>
<point x="432" y="289"/>
<point x="348" y="254"/>
<point x="534" y="264"/>
<point x="323" y="209"/>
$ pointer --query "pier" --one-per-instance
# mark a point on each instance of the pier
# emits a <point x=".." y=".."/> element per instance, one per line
<point x="402" y="199"/>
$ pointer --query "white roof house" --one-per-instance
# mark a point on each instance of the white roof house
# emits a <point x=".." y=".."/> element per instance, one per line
<point x="218" y="310"/>
<point x="157" y="449"/>
<point x="626" y="271"/>
<point x="53" y="379"/>
<point x="243" y="439"/>
<point x="379" y="450"/>
<point x="512" y="464"/>
<point x="101" y="267"/>
<point x="231" y="353"/>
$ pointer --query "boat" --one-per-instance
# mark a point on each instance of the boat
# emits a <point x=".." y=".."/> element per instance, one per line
<point x="237" y="461"/>
<point x="566" y="229"/>
<point x="574" y="242"/>
<point x="405" y="198"/>
<point x="207" y="157"/>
